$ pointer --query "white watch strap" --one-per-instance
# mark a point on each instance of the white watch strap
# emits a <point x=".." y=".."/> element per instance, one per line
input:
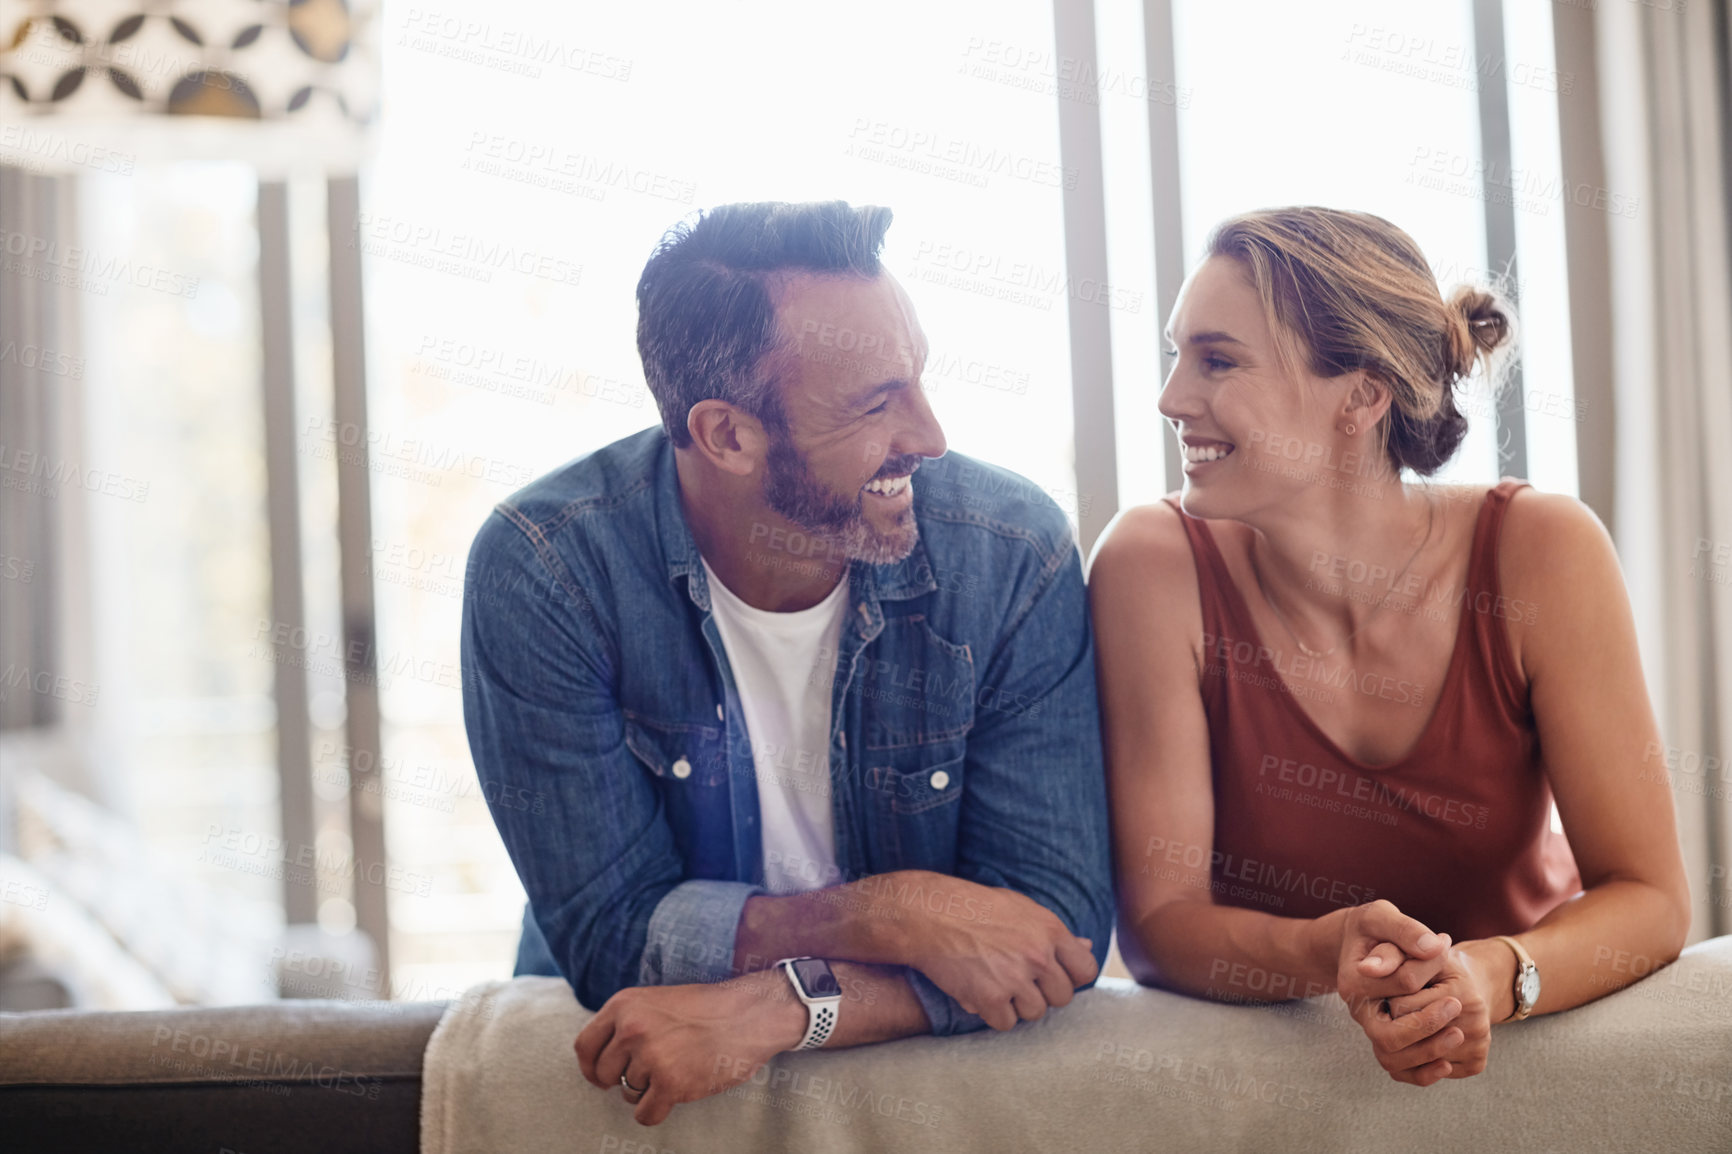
<point x="820" y="1020"/>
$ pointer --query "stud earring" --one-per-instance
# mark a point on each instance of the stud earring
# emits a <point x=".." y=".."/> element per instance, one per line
<point x="1350" y="429"/>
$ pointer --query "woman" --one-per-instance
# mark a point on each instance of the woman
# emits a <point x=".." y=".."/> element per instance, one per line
<point x="1338" y="705"/>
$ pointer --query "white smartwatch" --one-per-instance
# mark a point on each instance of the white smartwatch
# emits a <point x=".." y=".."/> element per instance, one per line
<point x="817" y="987"/>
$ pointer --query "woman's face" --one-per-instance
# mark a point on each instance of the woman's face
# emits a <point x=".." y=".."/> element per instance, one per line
<point x="1255" y="436"/>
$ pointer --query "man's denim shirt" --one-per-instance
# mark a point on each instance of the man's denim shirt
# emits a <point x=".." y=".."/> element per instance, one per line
<point x="607" y="731"/>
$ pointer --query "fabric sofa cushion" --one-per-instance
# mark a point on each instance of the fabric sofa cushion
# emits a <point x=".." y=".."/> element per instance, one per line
<point x="290" y="1076"/>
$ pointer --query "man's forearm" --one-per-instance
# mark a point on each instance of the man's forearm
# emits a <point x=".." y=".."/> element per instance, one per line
<point x="875" y="920"/>
<point x="877" y="1006"/>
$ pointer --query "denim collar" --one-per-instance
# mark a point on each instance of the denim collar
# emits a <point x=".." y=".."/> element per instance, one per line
<point x="910" y="577"/>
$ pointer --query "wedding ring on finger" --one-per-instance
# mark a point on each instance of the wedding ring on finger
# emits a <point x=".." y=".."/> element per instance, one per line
<point x="633" y="1094"/>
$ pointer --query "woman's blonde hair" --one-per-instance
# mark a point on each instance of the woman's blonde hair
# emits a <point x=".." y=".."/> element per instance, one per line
<point x="1346" y="291"/>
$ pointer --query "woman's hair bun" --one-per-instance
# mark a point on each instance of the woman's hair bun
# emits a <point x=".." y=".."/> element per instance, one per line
<point x="1484" y="326"/>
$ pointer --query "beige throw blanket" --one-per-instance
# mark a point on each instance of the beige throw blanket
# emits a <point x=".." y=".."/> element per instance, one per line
<point x="1123" y="1068"/>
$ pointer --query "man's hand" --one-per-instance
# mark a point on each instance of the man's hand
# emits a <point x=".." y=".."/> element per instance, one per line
<point x="682" y="1043"/>
<point x="1007" y="969"/>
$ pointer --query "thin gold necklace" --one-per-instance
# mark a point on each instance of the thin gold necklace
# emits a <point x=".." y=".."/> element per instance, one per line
<point x="1315" y="655"/>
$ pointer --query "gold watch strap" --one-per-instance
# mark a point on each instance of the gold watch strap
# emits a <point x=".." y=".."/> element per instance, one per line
<point x="1523" y="961"/>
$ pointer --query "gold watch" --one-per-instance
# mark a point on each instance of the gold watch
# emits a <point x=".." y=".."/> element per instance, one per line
<point x="1527" y="980"/>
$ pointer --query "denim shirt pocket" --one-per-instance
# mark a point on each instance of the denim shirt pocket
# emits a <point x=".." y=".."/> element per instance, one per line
<point x="689" y="764"/>
<point x="918" y="705"/>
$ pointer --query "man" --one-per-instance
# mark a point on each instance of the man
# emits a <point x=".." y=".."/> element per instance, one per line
<point x="756" y="685"/>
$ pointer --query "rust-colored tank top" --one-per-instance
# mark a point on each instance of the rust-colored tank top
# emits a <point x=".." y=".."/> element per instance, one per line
<point x="1457" y="833"/>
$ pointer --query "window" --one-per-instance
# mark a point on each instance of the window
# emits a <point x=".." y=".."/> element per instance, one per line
<point x="1368" y="106"/>
<point x="529" y="360"/>
<point x="528" y="165"/>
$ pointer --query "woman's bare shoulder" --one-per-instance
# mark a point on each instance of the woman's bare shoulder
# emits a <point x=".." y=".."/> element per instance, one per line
<point x="1143" y="574"/>
<point x="1147" y="542"/>
<point x="1557" y="562"/>
<point x="1545" y="532"/>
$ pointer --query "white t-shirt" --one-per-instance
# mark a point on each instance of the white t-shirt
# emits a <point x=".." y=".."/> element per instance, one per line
<point x="784" y="667"/>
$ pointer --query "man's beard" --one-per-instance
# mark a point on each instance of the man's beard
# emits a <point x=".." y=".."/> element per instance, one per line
<point x="791" y="490"/>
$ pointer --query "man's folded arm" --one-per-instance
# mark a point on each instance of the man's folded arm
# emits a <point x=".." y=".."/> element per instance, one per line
<point x="579" y="818"/>
<point x="1034" y="810"/>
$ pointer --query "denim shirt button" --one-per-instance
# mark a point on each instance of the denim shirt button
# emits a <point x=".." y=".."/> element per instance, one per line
<point x="940" y="779"/>
<point x="682" y="769"/>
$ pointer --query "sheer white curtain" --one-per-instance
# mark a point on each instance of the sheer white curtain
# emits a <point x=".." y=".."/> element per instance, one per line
<point x="1664" y="83"/>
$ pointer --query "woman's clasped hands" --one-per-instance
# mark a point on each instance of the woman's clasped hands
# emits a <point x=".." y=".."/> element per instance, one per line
<point x="1424" y="1001"/>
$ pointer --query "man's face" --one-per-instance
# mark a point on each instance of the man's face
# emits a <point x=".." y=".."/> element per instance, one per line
<point x="854" y="421"/>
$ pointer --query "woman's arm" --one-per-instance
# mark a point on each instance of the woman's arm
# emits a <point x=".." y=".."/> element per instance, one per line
<point x="1578" y="655"/>
<point x="1597" y="735"/>
<point x="1148" y="637"/>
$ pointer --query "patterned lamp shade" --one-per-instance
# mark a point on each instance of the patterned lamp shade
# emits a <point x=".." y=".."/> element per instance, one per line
<point x="287" y="85"/>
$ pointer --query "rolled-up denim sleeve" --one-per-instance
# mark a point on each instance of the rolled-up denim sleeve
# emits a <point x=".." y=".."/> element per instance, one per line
<point x="1034" y="816"/>
<point x="578" y="815"/>
<point x="691" y="933"/>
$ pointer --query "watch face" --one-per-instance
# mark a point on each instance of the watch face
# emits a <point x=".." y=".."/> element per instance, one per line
<point x="816" y="979"/>
<point x="1530" y="987"/>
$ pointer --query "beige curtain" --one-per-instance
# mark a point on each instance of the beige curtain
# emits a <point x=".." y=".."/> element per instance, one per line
<point x="1663" y="93"/>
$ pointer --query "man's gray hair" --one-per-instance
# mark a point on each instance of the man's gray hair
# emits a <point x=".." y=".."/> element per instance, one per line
<point x="706" y="321"/>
